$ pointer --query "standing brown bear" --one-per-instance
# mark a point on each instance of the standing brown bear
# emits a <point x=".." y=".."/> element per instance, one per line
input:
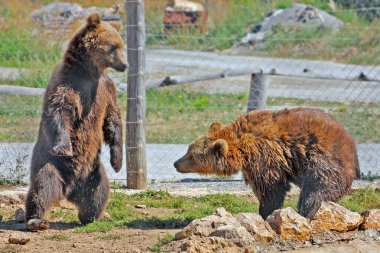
<point x="79" y="112"/>
<point x="306" y="147"/>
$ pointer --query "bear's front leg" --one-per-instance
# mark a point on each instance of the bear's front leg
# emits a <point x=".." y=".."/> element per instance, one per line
<point x="272" y="198"/>
<point x="112" y="129"/>
<point x="61" y="114"/>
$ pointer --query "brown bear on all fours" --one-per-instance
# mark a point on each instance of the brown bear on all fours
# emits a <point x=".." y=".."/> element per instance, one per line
<point x="306" y="147"/>
<point x="79" y="112"/>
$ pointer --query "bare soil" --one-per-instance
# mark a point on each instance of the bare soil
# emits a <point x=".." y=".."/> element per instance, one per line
<point x="61" y="237"/>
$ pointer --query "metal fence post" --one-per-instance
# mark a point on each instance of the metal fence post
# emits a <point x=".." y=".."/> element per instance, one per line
<point x="257" y="91"/>
<point x="135" y="125"/>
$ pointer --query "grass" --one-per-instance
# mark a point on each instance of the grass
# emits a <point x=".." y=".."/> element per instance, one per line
<point x="187" y="209"/>
<point x="58" y="237"/>
<point x="190" y="208"/>
<point x="176" y="116"/>
<point x="67" y="215"/>
<point x="161" y="242"/>
<point x="362" y="199"/>
<point x="108" y="236"/>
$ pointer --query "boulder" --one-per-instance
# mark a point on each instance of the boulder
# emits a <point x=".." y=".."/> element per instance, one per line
<point x="204" y="226"/>
<point x="256" y="225"/>
<point x="371" y="219"/>
<point x="298" y="15"/>
<point x="211" y="245"/>
<point x="237" y="234"/>
<point x="289" y="225"/>
<point x="332" y="216"/>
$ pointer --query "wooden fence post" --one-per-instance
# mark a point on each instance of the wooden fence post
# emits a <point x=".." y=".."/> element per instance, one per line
<point x="257" y="91"/>
<point x="135" y="125"/>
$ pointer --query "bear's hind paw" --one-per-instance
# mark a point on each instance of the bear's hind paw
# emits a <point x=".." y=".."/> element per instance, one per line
<point x="37" y="224"/>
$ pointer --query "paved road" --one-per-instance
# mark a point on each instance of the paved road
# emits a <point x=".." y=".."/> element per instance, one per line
<point x="164" y="59"/>
<point x="160" y="158"/>
<point x="166" y="62"/>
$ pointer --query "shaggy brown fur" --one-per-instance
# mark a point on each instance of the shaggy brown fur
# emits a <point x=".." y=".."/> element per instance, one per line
<point x="79" y="112"/>
<point x="306" y="147"/>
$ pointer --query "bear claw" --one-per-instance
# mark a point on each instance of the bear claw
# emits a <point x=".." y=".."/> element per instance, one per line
<point x="116" y="159"/>
<point x="60" y="150"/>
<point x="37" y="224"/>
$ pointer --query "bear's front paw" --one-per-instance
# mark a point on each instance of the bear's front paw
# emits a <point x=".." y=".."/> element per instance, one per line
<point x="116" y="158"/>
<point x="62" y="149"/>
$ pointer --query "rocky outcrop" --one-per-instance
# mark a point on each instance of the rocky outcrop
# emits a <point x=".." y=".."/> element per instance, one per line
<point x="289" y="225"/>
<point x="371" y="219"/>
<point x="284" y="228"/>
<point x="332" y="216"/>
<point x="256" y="226"/>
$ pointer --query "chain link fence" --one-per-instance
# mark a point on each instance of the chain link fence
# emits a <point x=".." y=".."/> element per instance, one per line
<point x="200" y="56"/>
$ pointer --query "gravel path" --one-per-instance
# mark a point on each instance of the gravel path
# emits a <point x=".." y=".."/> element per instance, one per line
<point x="160" y="158"/>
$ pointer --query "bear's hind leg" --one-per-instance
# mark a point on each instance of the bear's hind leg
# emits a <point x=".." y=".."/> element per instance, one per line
<point x="45" y="190"/>
<point x="93" y="197"/>
<point x="320" y="185"/>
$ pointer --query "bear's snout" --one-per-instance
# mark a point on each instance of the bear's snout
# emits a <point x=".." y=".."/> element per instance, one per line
<point x="121" y="67"/>
<point x="179" y="165"/>
<point x="176" y="164"/>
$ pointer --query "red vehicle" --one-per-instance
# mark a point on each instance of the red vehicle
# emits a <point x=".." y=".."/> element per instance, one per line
<point x="183" y="13"/>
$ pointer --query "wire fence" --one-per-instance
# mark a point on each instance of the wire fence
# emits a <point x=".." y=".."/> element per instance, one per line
<point x="199" y="61"/>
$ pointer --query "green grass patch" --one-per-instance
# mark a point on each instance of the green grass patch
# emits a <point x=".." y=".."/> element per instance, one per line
<point x="115" y="185"/>
<point x="362" y="199"/>
<point x="32" y="52"/>
<point x="187" y="209"/>
<point x="108" y="236"/>
<point x="190" y="208"/>
<point x="67" y="215"/>
<point x="96" y="226"/>
<point x="58" y="237"/>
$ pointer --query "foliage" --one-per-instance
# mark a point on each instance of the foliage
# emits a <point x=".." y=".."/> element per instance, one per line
<point x="367" y="9"/>
<point x="362" y="199"/>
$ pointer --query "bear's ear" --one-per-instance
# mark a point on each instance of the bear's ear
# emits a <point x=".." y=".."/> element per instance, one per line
<point x="94" y="19"/>
<point x="220" y="147"/>
<point x="116" y="25"/>
<point x="216" y="126"/>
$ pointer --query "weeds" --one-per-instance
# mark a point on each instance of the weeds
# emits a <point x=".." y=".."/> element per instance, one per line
<point x="161" y="242"/>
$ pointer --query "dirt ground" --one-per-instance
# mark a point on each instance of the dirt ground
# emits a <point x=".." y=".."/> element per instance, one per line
<point x="61" y="237"/>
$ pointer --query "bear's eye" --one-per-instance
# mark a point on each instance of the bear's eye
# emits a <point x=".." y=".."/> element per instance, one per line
<point x="113" y="48"/>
